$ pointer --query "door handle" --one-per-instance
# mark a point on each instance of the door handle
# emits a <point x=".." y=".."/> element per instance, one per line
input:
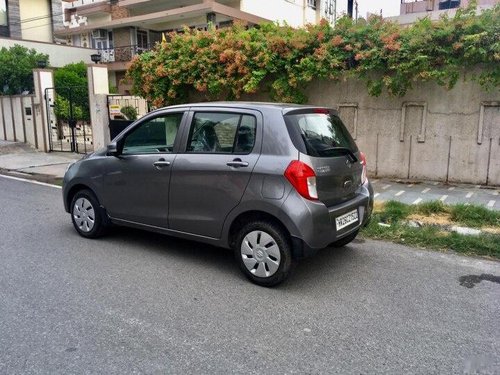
<point x="237" y="163"/>
<point x="161" y="163"/>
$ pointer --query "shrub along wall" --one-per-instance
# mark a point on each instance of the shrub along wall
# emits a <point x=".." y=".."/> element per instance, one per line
<point x="225" y="63"/>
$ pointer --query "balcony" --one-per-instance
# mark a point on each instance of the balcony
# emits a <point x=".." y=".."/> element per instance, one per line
<point x="118" y="58"/>
<point x="87" y="7"/>
<point x="412" y="6"/>
<point x="419" y="6"/>
<point x="79" y="3"/>
<point x="164" y="19"/>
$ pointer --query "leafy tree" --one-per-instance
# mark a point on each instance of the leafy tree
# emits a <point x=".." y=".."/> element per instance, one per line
<point x="16" y="69"/>
<point x="71" y="84"/>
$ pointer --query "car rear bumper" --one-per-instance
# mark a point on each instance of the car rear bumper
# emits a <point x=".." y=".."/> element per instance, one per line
<point x="315" y="223"/>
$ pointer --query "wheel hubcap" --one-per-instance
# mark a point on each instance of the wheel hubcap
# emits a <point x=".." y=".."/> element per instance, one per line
<point x="83" y="213"/>
<point x="260" y="253"/>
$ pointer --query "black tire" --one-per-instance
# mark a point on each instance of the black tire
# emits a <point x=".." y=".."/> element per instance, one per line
<point x="99" y="215"/>
<point x="281" y="240"/>
<point x="345" y="240"/>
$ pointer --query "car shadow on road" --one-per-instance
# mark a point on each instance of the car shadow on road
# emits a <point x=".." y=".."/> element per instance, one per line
<point x="324" y="268"/>
<point x="172" y="247"/>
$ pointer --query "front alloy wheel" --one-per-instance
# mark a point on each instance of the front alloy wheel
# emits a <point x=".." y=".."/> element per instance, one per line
<point x="84" y="215"/>
<point x="88" y="217"/>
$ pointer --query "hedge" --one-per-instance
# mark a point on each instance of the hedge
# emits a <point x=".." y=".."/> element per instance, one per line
<point x="228" y="62"/>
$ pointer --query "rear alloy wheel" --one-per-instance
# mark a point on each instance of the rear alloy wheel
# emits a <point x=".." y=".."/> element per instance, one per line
<point x="263" y="253"/>
<point x="87" y="215"/>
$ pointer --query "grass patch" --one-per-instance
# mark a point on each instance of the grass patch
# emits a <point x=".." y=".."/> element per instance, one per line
<point x="393" y="212"/>
<point x="430" y="208"/>
<point x="474" y="216"/>
<point x="435" y="236"/>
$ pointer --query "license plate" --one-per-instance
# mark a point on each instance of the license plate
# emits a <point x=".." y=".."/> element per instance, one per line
<point x="346" y="219"/>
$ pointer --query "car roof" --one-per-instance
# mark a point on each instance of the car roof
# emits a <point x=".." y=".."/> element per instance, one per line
<point x="284" y="107"/>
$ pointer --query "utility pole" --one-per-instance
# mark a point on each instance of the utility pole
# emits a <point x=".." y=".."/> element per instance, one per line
<point x="356" y="10"/>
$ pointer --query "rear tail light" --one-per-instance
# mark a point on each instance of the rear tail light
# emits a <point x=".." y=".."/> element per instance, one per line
<point x="303" y="179"/>
<point x="364" y="176"/>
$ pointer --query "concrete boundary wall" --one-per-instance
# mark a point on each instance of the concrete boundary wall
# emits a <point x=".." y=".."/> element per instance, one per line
<point x="429" y="134"/>
<point x="59" y="55"/>
<point x="23" y="118"/>
<point x="19" y="120"/>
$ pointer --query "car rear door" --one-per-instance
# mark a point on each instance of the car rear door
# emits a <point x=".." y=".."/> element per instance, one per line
<point x="210" y="175"/>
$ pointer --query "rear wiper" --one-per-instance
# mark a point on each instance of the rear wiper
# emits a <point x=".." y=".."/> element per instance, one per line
<point x="351" y="156"/>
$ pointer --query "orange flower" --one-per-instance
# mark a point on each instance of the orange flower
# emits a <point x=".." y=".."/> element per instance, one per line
<point x="337" y="41"/>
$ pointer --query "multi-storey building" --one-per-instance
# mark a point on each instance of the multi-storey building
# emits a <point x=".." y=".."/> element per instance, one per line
<point x="120" y="29"/>
<point x="30" y="19"/>
<point x="412" y="10"/>
<point x="31" y="24"/>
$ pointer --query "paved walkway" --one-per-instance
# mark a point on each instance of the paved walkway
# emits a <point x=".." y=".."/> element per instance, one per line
<point x="417" y="192"/>
<point x="20" y="158"/>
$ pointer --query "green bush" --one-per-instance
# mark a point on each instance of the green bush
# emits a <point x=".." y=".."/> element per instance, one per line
<point x="229" y="62"/>
<point x="62" y="110"/>
<point x="71" y="84"/>
<point x="129" y="112"/>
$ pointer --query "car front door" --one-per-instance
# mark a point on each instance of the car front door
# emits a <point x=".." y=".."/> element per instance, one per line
<point x="136" y="183"/>
<point x="212" y="172"/>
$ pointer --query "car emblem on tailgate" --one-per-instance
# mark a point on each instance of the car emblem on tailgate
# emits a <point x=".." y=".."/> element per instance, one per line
<point x="347" y="184"/>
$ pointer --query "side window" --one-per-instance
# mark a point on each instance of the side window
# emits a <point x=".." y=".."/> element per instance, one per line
<point x="222" y="133"/>
<point x="155" y="135"/>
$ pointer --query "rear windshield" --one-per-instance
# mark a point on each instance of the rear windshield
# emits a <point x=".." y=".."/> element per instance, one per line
<point x="319" y="134"/>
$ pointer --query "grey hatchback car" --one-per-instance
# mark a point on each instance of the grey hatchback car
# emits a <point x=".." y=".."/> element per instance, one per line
<point x="273" y="182"/>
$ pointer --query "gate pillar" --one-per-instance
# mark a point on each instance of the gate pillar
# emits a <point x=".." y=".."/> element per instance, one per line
<point x="43" y="79"/>
<point x="98" y="104"/>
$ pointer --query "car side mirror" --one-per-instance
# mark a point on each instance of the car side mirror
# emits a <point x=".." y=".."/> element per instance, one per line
<point x="112" y="149"/>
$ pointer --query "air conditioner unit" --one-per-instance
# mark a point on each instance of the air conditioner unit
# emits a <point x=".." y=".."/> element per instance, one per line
<point x="99" y="34"/>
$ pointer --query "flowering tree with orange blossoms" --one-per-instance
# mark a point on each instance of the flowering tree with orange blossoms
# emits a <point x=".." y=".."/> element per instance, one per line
<point x="229" y="62"/>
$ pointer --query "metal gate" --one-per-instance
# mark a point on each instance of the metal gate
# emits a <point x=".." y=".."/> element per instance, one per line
<point x="68" y="118"/>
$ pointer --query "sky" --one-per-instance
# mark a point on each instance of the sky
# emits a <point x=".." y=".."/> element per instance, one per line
<point x="389" y="7"/>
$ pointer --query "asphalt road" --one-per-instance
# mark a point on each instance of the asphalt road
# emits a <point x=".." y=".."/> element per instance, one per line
<point x="137" y="302"/>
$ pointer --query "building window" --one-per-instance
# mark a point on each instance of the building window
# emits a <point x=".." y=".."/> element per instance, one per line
<point x="448" y="4"/>
<point x="4" y="19"/>
<point x="142" y="41"/>
<point x="311" y="4"/>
